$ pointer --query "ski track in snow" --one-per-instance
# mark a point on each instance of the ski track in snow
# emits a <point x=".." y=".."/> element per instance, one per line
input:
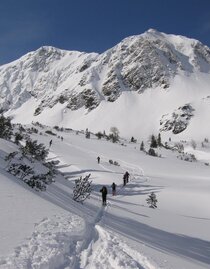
<point x="58" y="244"/>
<point x="103" y="249"/>
<point x="109" y="252"/>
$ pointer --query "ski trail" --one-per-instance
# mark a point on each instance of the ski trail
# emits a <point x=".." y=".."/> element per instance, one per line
<point x="110" y="252"/>
<point x="95" y="247"/>
<point x="135" y="171"/>
<point x="136" y="174"/>
<point x="68" y="242"/>
<point x="106" y="250"/>
<point x="85" y="241"/>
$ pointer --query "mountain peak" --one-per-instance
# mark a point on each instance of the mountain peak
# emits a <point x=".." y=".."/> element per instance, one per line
<point x="51" y="80"/>
<point x="152" y="31"/>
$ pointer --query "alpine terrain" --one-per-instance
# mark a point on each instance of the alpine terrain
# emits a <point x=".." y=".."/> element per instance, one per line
<point x="155" y="82"/>
<point x="72" y="123"/>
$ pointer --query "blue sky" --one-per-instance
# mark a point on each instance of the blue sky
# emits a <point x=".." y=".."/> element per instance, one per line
<point x="94" y="25"/>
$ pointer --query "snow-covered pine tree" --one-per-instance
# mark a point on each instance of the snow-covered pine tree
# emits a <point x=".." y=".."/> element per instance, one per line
<point x="37" y="182"/>
<point x="99" y="135"/>
<point x="133" y="140"/>
<point x="18" y="138"/>
<point x="82" y="189"/>
<point x="142" y="146"/>
<point x="152" y="200"/>
<point x="5" y="127"/>
<point x="153" y="142"/>
<point x="159" y="142"/>
<point x="35" y="150"/>
<point x="20" y="170"/>
<point x="152" y="152"/>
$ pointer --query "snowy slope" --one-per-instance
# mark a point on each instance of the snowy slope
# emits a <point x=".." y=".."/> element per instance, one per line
<point x="143" y="79"/>
<point x="53" y="231"/>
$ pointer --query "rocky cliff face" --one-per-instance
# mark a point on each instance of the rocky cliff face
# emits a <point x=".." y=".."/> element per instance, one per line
<point x="82" y="80"/>
<point x="178" y="120"/>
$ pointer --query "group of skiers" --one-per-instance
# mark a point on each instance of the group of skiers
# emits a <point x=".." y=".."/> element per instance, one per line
<point x="104" y="191"/>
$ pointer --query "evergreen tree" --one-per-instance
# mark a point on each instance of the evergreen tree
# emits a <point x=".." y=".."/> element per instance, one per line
<point x="152" y="152"/>
<point x="159" y="143"/>
<point x="18" y="138"/>
<point x="35" y="150"/>
<point x="142" y="146"/>
<point x="36" y="182"/>
<point x="152" y="200"/>
<point x="153" y="142"/>
<point x="99" y="135"/>
<point x="20" y="170"/>
<point x="82" y="189"/>
<point x="133" y="140"/>
<point x="5" y="127"/>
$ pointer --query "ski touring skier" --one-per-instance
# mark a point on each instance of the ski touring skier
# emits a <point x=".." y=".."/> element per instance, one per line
<point x="104" y="194"/>
<point x="124" y="180"/>
<point x="126" y="176"/>
<point x="113" y="188"/>
<point x="50" y="143"/>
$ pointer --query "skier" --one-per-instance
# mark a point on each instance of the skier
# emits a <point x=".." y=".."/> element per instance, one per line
<point x="126" y="175"/>
<point x="104" y="194"/>
<point x="124" y="180"/>
<point x="113" y="189"/>
<point x="50" y="144"/>
<point x="98" y="159"/>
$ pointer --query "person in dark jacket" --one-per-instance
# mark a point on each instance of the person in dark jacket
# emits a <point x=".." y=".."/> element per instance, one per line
<point x="98" y="159"/>
<point x="113" y="188"/>
<point x="126" y="175"/>
<point x="104" y="194"/>
<point x="124" y="180"/>
<point x="50" y="143"/>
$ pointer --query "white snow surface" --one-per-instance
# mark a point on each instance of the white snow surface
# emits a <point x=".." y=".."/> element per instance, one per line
<point x="49" y="230"/>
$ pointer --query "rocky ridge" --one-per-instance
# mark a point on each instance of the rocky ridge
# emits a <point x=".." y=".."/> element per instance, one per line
<point x="78" y="80"/>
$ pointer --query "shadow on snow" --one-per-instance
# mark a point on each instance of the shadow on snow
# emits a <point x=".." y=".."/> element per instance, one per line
<point x="184" y="246"/>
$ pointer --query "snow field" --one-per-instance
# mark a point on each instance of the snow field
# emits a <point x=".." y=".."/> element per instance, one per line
<point x="63" y="234"/>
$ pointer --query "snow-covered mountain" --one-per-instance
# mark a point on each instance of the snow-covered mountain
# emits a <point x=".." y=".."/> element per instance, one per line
<point x="143" y="80"/>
